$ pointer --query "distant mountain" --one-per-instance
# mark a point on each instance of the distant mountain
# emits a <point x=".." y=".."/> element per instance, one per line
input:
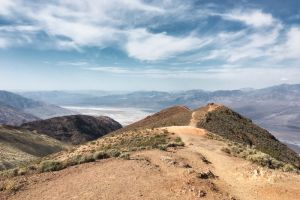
<point x="275" y="108"/>
<point x="13" y="116"/>
<point x="18" y="146"/>
<point x="16" y="109"/>
<point x="74" y="129"/>
<point x="66" y="97"/>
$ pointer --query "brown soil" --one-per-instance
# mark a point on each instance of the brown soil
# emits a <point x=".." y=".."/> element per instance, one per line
<point x="239" y="177"/>
<point x="198" y="170"/>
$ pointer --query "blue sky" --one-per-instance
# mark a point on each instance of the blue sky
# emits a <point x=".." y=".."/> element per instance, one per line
<point x="148" y="44"/>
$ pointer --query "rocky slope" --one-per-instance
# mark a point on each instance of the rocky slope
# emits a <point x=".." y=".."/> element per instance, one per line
<point x="13" y="116"/>
<point x="20" y="146"/>
<point x="74" y="129"/>
<point x="231" y="125"/>
<point x="27" y="108"/>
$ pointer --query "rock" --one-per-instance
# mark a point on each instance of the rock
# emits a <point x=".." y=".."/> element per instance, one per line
<point x="206" y="175"/>
<point x="201" y="193"/>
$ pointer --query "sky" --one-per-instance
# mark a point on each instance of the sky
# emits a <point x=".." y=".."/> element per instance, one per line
<point x="161" y="45"/>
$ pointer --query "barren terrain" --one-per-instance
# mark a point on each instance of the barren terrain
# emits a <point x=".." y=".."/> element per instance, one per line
<point x="199" y="170"/>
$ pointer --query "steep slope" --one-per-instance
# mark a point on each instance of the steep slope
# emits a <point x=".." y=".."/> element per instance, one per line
<point x="173" y="116"/>
<point x="29" y="106"/>
<point x="74" y="129"/>
<point x="231" y="125"/>
<point x="224" y="122"/>
<point x="19" y="145"/>
<point x="12" y="116"/>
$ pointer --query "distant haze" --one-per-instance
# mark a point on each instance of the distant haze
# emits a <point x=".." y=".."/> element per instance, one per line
<point x="275" y="108"/>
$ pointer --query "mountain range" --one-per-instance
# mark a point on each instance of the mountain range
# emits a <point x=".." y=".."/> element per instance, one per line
<point x="16" y="109"/>
<point x="275" y="108"/>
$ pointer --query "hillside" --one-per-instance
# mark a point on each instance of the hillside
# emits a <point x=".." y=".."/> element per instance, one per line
<point x="18" y="146"/>
<point x="173" y="116"/>
<point x="74" y="129"/>
<point x="234" y="127"/>
<point x="12" y="116"/>
<point x="224" y="122"/>
<point x="275" y="108"/>
<point x="179" y="159"/>
<point x="31" y="107"/>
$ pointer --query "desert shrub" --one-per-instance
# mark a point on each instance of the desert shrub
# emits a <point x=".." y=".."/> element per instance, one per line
<point x="80" y="159"/>
<point x="23" y="171"/>
<point x="99" y="155"/>
<point x="9" y="173"/>
<point x="125" y="156"/>
<point x="114" y="153"/>
<point x="289" y="168"/>
<point x="178" y="139"/>
<point x="163" y="147"/>
<point x="10" y="185"/>
<point x="226" y="150"/>
<point x="175" y="144"/>
<point x="85" y="158"/>
<point x="51" y="165"/>
<point x="165" y="131"/>
<point x="251" y="154"/>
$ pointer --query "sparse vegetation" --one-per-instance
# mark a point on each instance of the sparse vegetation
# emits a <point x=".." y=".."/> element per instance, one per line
<point x="51" y="165"/>
<point x="113" y="146"/>
<point x="99" y="155"/>
<point x="229" y="125"/>
<point x="19" y="146"/>
<point x="125" y="156"/>
<point x="10" y="185"/>
<point x="252" y="154"/>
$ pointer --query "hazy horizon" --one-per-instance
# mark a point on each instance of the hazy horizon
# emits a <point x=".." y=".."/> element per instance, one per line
<point x="144" y="90"/>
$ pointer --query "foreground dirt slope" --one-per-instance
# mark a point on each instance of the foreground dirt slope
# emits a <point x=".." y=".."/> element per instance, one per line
<point x="159" y="174"/>
<point x="149" y="175"/>
<point x="241" y="178"/>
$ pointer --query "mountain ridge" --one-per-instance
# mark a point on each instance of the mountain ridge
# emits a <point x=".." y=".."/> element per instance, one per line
<point x="16" y="109"/>
<point x="74" y="129"/>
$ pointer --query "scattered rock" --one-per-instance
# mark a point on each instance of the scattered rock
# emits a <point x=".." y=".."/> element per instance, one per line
<point x="204" y="159"/>
<point x="168" y="160"/>
<point x="184" y="165"/>
<point x="206" y="175"/>
<point x="201" y="193"/>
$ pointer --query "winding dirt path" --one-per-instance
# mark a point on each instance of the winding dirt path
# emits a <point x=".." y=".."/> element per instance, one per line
<point x="239" y="177"/>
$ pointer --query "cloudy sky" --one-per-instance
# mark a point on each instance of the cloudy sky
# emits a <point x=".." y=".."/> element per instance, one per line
<point x="148" y="44"/>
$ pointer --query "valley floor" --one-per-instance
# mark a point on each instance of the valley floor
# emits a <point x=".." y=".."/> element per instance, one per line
<point x="156" y="174"/>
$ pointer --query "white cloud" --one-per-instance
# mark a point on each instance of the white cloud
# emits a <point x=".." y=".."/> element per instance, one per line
<point x="6" y="6"/>
<point x="255" y="18"/>
<point x="147" y="46"/>
<point x="293" y="42"/>
<point x="76" y="24"/>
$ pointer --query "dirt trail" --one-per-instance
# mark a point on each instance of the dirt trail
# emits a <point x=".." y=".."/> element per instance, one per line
<point x="159" y="175"/>
<point x="155" y="174"/>
<point x="198" y="114"/>
<point x="239" y="177"/>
